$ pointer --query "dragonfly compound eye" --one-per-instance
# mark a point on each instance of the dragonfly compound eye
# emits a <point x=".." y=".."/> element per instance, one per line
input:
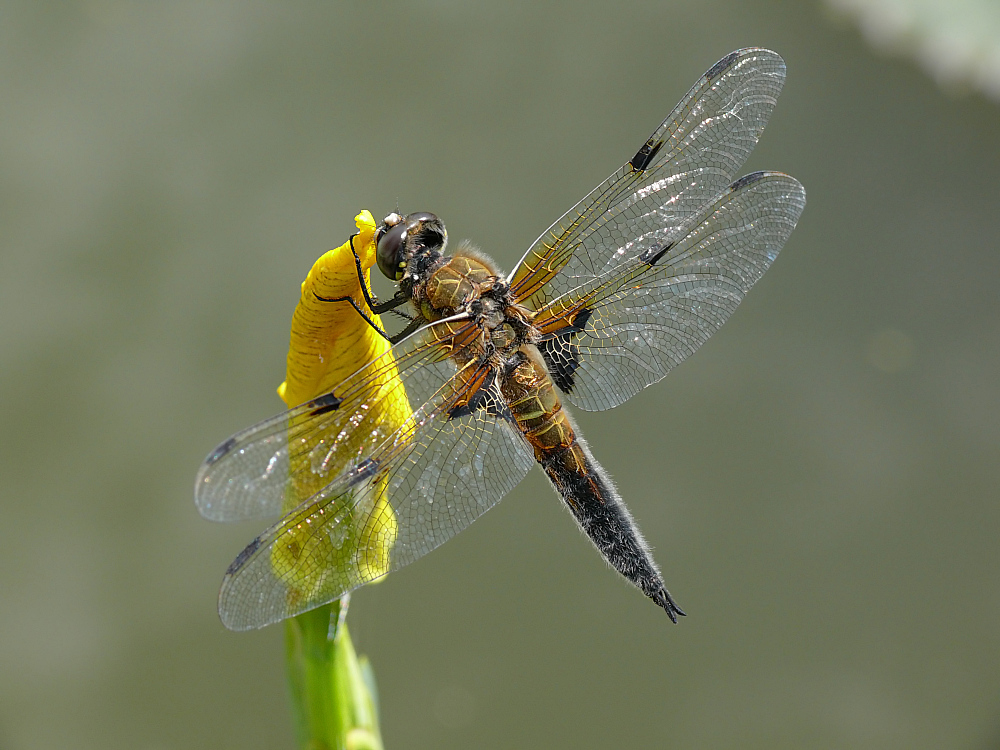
<point x="389" y="254"/>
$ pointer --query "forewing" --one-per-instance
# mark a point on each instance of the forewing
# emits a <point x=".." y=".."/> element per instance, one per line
<point x="687" y="161"/>
<point x="443" y="468"/>
<point x="274" y="465"/>
<point x="613" y="336"/>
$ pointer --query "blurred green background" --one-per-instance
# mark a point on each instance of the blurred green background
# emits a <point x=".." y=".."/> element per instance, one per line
<point x="819" y="481"/>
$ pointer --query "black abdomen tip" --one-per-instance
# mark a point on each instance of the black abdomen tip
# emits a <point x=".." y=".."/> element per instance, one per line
<point x="663" y="598"/>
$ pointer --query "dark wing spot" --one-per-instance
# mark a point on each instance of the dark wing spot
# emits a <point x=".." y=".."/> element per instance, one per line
<point x="747" y="179"/>
<point x="653" y="255"/>
<point x="325" y="404"/>
<point x="220" y="451"/>
<point x="724" y="63"/>
<point x="561" y="354"/>
<point x="462" y="410"/>
<point x="245" y="555"/>
<point x="645" y="155"/>
<point x="361" y="472"/>
<point x="487" y="397"/>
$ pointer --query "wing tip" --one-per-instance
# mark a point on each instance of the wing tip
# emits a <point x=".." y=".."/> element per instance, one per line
<point x="724" y="63"/>
<point x="221" y="450"/>
<point x="749" y="179"/>
<point x="204" y="495"/>
<point x="746" y="52"/>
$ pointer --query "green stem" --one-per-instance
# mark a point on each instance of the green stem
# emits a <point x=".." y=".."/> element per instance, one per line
<point x="335" y="707"/>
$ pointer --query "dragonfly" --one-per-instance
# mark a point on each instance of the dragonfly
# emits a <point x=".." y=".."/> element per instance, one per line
<point x="617" y="292"/>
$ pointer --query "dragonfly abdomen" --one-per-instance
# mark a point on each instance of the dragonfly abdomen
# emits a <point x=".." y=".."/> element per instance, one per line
<point x="535" y="405"/>
<point x="580" y="481"/>
<point x="596" y="505"/>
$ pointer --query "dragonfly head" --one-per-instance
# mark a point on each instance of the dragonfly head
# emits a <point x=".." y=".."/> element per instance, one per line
<point x="402" y="240"/>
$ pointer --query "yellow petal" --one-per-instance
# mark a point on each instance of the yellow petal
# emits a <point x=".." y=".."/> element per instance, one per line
<point x="329" y="342"/>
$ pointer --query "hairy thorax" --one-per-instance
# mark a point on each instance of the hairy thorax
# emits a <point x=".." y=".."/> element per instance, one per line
<point x="469" y="282"/>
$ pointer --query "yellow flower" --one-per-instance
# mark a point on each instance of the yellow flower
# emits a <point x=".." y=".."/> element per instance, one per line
<point x="329" y="342"/>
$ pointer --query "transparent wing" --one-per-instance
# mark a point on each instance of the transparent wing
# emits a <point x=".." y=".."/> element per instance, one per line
<point x="611" y="337"/>
<point x="688" y="160"/>
<point x="453" y="459"/>
<point x="272" y="466"/>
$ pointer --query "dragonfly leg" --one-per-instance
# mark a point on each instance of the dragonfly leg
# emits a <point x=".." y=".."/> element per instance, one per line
<point x="376" y="307"/>
<point x="413" y="325"/>
<point x="373" y="304"/>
